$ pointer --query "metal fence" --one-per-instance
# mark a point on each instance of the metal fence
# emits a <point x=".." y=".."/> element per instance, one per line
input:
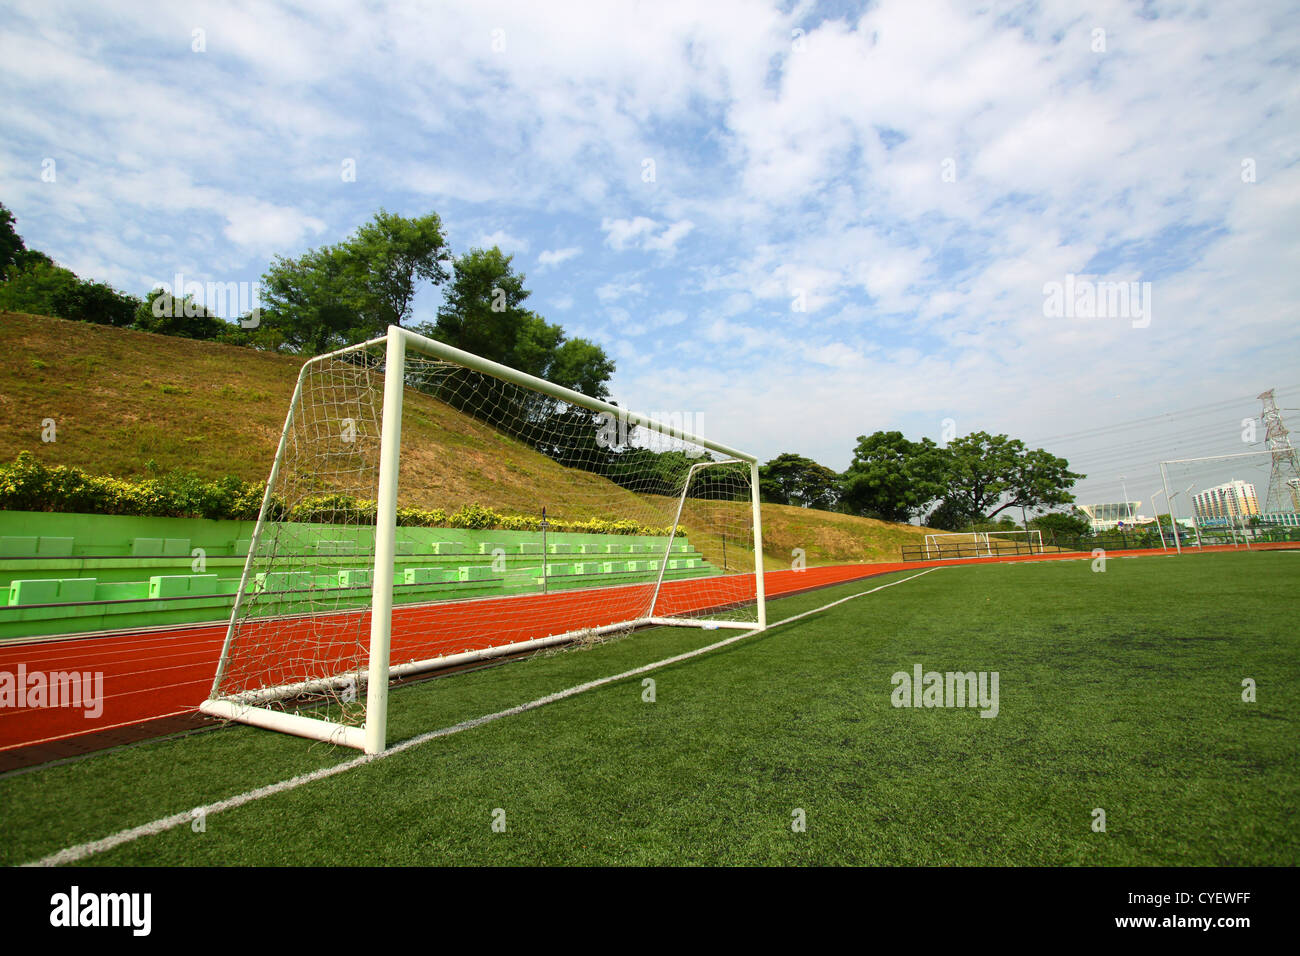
<point x="1108" y="541"/>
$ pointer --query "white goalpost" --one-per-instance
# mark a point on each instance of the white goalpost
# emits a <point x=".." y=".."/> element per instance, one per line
<point x="1226" y="499"/>
<point x="373" y="557"/>
<point x="982" y="544"/>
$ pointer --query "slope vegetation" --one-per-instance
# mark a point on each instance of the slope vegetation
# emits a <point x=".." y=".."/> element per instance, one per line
<point x="119" y="399"/>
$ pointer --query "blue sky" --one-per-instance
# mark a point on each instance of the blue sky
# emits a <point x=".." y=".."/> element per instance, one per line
<point x="911" y="173"/>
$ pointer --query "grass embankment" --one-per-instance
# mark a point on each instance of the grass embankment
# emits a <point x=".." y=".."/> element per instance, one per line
<point x="121" y="398"/>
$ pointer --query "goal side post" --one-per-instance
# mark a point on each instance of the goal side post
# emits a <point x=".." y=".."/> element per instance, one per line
<point x="381" y="610"/>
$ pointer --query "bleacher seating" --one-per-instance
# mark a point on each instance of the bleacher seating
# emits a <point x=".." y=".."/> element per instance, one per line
<point x="100" y="572"/>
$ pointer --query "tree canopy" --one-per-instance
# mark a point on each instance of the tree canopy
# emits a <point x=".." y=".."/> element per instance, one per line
<point x="483" y="313"/>
<point x="791" y="479"/>
<point x="892" y="478"/>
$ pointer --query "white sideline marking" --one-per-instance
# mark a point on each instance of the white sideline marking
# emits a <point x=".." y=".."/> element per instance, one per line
<point x="74" y="854"/>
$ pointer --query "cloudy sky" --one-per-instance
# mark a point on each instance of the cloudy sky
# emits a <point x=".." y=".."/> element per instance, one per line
<point x="797" y="222"/>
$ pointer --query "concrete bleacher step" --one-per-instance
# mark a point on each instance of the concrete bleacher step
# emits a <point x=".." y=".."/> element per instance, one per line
<point x="146" y="573"/>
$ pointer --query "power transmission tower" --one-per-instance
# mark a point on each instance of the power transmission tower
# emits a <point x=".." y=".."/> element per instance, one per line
<point x="1284" y="481"/>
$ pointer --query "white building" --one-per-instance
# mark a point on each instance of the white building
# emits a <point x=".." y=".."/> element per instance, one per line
<point x="1232" y="500"/>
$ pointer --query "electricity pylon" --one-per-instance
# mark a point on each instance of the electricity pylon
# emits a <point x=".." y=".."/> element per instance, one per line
<point x="1284" y="481"/>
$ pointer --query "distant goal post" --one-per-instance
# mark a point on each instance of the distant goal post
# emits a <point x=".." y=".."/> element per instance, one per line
<point x="673" y="539"/>
<point x="981" y="544"/>
<point x="1240" y="499"/>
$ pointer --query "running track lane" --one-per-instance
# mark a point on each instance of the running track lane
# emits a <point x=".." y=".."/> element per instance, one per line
<point x="165" y="672"/>
<point x="162" y="673"/>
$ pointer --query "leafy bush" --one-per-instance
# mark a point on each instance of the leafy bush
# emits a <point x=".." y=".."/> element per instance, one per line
<point x="29" y="485"/>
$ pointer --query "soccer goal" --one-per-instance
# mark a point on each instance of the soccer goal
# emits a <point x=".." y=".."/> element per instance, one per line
<point x="374" y="558"/>
<point x="982" y="544"/>
<point x="1242" y="499"/>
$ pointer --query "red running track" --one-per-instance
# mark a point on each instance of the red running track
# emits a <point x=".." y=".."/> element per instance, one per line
<point x="165" y="672"/>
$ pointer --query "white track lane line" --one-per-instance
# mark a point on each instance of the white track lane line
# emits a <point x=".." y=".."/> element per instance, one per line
<point x="81" y="851"/>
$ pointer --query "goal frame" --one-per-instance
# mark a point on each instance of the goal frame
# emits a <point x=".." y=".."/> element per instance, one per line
<point x="372" y="737"/>
<point x="1035" y="535"/>
<point x="1196" y="522"/>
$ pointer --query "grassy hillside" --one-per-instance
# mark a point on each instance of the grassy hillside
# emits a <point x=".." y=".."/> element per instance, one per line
<point x="121" y="398"/>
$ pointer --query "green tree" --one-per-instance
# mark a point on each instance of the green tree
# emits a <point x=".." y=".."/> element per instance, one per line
<point x="1061" y="523"/>
<point x="583" y="366"/>
<point x="312" y="304"/>
<point x="164" y="314"/>
<point x="88" y="301"/>
<point x="892" y="478"/>
<point x="791" y="479"/>
<point x="990" y="473"/>
<point x="949" y="516"/>
<point x="36" y="286"/>
<point x="483" y="313"/>
<point x="387" y="258"/>
<point x="338" y="295"/>
<point x="12" y="248"/>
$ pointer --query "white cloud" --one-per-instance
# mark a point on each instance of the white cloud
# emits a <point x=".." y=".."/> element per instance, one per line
<point x="503" y="241"/>
<point x="614" y="291"/>
<point x="667" y="240"/>
<point x="620" y="232"/>
<point x="773" y="176"/>
<point x="553" y="257"/>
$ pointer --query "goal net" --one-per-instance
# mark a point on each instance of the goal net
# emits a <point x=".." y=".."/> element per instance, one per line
<point x="982" y="544"/>
<point x="1242" y="500"/>
<point x="374" y="556"/>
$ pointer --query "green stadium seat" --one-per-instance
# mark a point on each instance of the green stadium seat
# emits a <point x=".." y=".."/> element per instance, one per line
<point x="146" y="547"/>
<point x="52" y="591"/>
<point x="335" y="547"/>
<point x="54" y="547"/>
<point x="283" y="581"/>
<point x="477" y="573"/>
<point x="16" y="546"/>
<point x="180" y="585"/>
<point x="430" y="575"/>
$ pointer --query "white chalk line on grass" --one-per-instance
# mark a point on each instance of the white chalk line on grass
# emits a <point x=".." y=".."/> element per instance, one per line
<point x="74" y="854"/>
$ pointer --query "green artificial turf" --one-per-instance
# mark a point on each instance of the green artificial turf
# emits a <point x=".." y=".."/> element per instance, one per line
<point x="1119" y="690"/>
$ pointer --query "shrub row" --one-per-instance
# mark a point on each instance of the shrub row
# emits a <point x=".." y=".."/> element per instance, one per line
<point x="29" y="485"/>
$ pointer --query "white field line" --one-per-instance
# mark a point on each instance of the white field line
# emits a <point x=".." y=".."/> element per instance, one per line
<point x="81" y="851"/>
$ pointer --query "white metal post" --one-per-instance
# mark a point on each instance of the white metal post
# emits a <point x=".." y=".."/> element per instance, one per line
<point x="1196" y="521"/>
<point x="759" y="587"/>
<point x="1163" y="546"/>
<point x="1169" y="502"/>
<point x="381" y="612"/>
